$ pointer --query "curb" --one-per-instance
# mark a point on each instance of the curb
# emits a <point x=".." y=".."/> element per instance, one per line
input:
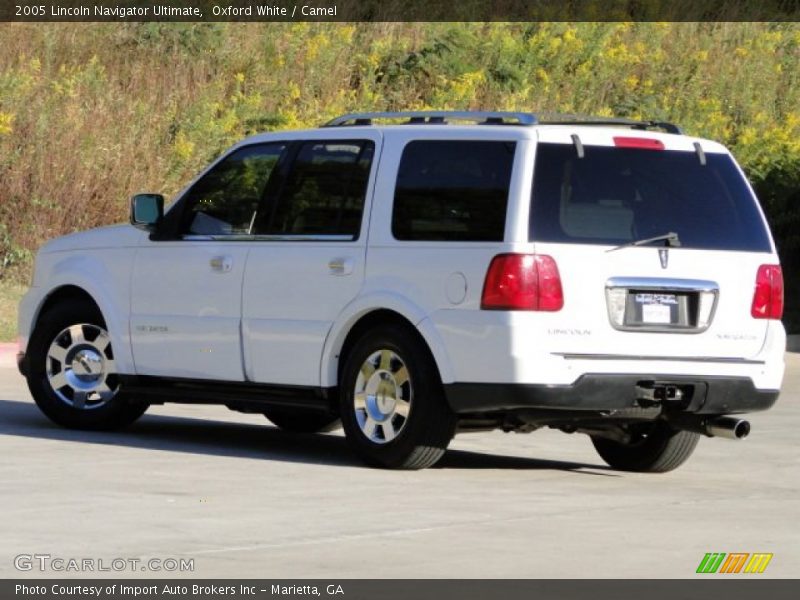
<point x="8" y="355"/>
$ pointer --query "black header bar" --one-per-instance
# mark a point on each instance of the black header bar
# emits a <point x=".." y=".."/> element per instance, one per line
<point x="743" y="587"/>
<point x="396" y="10"/>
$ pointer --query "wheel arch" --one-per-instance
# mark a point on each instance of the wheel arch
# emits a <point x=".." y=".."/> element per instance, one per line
<point x="349" y="328"/>
<point x="65" y="293"/>
<point x="76" y="279"/>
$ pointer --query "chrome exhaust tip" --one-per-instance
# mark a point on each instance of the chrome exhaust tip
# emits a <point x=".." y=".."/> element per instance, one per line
<point x="731" y="428"/>
<point x="728" y="427"/>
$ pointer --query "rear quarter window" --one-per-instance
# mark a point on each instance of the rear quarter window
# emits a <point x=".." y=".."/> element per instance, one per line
<point x="452" y="190"/>
<point x="617" y="195"/>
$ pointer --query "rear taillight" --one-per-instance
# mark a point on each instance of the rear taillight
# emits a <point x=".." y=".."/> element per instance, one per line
<point x="768" y="297"/>
<point x="522" y="282"/>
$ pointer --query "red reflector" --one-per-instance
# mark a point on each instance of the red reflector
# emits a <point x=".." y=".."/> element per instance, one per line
<point x="768" y="296"/>
<point x="635" y="142"/>
<point x="522" y="282"/>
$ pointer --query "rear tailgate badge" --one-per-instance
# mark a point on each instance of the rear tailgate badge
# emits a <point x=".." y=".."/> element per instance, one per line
<point x="663" y="256"/>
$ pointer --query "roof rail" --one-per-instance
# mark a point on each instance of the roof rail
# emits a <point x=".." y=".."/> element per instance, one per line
<point x="568" y="119"/>
<point x="436" y="117"/>
<point x="433" y="117"/>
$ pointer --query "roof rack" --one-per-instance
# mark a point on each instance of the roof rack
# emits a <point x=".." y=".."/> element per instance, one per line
<point x="442" y="117"/>
<point x="434" y="117"/>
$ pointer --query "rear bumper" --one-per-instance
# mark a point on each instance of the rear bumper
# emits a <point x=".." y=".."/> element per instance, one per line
<point x="523" y="347"/>
<point x="610" y="392"/>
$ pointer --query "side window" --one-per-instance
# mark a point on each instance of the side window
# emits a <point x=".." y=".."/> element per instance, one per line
<point x="225" y="201"/>
<point x="452" y="191"/>
<point x="325" y="190"/>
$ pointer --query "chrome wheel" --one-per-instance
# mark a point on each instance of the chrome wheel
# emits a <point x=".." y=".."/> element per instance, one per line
<point x="382" y="396"/>
<point x="80" y="367"/>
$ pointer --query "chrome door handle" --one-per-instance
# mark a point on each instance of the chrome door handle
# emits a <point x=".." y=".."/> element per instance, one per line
<point x="340" y="266"/>
<point x="221" y="264"/>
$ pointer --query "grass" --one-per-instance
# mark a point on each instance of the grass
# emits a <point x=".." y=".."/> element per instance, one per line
<point x="10" y="294"/>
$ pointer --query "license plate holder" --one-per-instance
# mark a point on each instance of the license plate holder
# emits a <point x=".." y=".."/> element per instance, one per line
<point x="660" y="305"/>
<point x="654" y="308"/>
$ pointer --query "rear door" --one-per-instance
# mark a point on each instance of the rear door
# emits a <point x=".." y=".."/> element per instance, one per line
<point x="687" y="295"/>
<point x="307" y="260"/>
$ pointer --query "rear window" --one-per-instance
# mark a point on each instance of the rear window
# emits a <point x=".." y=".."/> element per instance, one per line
<point x="452" y="191"/>
<point x="618" y="195"/>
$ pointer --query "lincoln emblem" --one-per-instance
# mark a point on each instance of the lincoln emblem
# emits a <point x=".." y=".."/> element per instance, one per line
<point x="663" y="255"/>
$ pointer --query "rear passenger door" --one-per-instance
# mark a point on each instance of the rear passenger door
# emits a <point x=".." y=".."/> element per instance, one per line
<point x="306" y="262"/>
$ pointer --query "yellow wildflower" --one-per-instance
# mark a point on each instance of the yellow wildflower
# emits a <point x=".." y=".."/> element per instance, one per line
<point x="183" y="147"/>
<point x="6" y="119"/>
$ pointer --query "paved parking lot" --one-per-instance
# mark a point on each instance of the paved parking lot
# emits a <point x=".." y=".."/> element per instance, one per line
<point x="244" y="499"/>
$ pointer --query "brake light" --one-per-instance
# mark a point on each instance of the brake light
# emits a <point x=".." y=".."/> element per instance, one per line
<point x="522" y="282"/>
<point x="636" y="142"/>
<point x="768" y="296"/>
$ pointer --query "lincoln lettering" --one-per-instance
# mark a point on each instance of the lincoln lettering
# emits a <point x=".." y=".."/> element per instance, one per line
<point x="69" y="11"/>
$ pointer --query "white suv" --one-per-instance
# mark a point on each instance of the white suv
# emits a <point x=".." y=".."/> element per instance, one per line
<point x="438" y="272"/>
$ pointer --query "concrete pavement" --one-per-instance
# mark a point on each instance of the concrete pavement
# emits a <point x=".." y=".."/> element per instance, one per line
<point x="8" y="355"/>
<point x="245" y="500"/>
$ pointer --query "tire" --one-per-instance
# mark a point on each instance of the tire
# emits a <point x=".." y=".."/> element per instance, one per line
<point x="655" y="448"/>
<point x="71" y="373"/>
<point x="302" y="421"/>
<point x="392" y="403"/>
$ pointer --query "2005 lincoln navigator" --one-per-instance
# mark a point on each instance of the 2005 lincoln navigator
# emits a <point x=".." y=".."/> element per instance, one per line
<point x="415" y="275"/>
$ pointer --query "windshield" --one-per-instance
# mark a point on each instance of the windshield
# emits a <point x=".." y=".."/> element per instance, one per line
<point x="613" y="196"/>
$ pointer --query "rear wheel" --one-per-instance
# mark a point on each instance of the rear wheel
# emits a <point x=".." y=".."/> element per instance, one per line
<point x="72" y="374"/>
<point x="392" y="402"/>
<point x="652" y="448"/>
<point x="302" y="421"/>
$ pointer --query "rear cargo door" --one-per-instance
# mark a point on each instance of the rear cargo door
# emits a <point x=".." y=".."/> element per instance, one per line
<point x="658" y="245"/>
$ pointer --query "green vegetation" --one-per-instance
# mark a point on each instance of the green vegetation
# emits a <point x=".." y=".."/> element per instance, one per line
<point x="91" y="113"/>
<point x="10" y="294"/>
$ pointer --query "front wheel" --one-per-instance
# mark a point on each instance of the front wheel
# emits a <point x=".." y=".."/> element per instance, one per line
<point x="652" y="448"/>
<point x="72" y="374"/>
<point x="392" y="402"/>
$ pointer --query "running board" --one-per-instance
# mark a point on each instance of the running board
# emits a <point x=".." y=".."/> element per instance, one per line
<point x="240" y="396"/>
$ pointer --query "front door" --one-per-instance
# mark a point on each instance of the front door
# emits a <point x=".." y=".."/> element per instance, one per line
<point x="186" y="297"/>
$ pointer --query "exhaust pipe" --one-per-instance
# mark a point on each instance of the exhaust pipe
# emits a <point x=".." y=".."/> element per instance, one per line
<point x="731" y="428"/>
<point x="728" y="427"/>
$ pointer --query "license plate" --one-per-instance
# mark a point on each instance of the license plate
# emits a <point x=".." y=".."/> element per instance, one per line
<point x="656" y="313"/>
<point x="657" y="308"/>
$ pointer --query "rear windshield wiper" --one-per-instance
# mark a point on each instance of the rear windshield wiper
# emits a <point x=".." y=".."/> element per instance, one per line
<point x="670" y="238"/>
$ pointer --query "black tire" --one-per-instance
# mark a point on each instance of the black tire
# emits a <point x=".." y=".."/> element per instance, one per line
<point x="302" y="421"/>
<point x="117" y="412"/>
<point x="429" y="425"/>
<point x="655" y="448"/>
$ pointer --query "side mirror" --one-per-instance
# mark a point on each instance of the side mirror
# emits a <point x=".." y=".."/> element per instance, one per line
<point x="147" y="210"/>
